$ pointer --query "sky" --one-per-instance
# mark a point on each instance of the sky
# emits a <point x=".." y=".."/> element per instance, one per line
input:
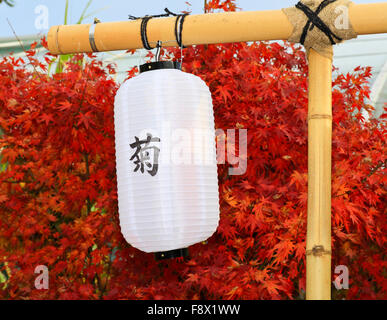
<point x="34" y="17"/>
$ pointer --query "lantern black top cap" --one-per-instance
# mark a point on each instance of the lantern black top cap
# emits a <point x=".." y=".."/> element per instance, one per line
<point x="160" y="65"/>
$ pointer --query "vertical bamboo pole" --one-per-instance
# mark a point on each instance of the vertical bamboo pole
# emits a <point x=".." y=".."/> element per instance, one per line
<point x="318" y="243"/>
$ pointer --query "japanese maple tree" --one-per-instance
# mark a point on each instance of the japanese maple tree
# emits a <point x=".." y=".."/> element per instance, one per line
<point x="58" y="200"/>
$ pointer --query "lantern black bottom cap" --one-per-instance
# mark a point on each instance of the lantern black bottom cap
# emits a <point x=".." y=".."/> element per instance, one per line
<point x="178" y="253"/>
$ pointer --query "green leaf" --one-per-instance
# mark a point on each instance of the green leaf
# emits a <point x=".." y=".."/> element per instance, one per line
<point x="66" y="11"/>
<point x="82" y="17"/>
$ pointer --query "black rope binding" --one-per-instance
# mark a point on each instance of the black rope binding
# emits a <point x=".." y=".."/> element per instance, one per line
<point x="144" y="37"/>
<point x="179" y="29"/>
<point x="315" y="20"/>
<point x="178" y="26"/>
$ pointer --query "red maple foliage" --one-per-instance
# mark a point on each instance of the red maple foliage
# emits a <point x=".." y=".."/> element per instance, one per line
<point x="58" y="201"/>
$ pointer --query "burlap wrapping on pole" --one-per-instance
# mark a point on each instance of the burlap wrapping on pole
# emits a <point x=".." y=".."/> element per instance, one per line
<point x="334" y="15"/>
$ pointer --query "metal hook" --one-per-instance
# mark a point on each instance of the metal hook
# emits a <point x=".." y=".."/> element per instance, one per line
<point x="158" y="52"/>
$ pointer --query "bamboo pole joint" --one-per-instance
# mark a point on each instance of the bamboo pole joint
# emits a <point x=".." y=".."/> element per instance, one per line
<point x="318" y="250"/>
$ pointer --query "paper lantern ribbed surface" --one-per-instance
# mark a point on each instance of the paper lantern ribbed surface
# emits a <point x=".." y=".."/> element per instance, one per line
<point x="166" y="160"/>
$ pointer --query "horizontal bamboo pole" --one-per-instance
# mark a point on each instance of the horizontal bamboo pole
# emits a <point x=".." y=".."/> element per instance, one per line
<point x="222" y="27"/>
<point x="198" y="29"/>
<point x="369" y="18"/>
<point x="318" y="240"/>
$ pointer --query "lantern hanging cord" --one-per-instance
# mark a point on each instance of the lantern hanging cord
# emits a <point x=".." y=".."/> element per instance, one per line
<point x="320" y="24"/>
<point x="178" y="27"/>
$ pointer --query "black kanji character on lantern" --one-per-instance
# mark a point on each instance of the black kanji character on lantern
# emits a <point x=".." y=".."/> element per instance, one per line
<point x="143" y="153"/>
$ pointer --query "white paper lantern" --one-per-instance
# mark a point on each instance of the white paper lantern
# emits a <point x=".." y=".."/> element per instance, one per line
<point x="166" y="160"/>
